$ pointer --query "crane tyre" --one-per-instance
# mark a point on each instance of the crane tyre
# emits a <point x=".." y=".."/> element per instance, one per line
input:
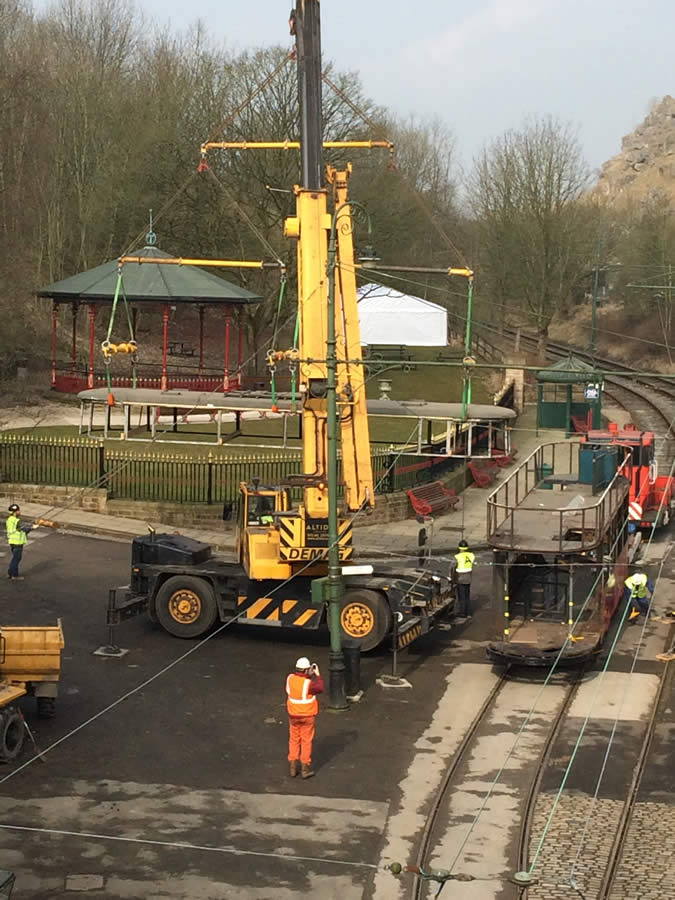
<point x="186" y="606"/>
<point x="12" y="734"/>
<point x="365" y="617"/>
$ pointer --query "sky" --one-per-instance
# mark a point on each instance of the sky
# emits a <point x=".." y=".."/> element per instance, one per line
<point x="481" y="66"/>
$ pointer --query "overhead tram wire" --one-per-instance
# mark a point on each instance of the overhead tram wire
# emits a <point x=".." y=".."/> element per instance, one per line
<point x="532" y="709"/>
<point x="587" y="719"/>
<point x="189" y="652"/>
<point x="488" y="327"/>
<point x="412" y="189"/>
<point x="631" y="672"/>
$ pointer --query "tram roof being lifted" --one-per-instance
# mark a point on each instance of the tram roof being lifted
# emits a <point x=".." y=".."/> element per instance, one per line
<point x="195" y="406"/>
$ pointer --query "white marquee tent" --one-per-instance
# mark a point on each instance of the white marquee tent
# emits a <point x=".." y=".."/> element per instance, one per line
<point x="390" y="317"/>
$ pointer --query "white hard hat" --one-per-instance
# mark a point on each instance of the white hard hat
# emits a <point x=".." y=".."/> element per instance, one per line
<point x="303" y="663"/>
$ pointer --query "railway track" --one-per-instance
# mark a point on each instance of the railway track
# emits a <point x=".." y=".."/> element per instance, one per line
<point x="458" y="778"/>
<point x="650" y="401"/>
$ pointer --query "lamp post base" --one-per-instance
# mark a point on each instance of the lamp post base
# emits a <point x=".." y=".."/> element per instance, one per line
<point x="336" y="681"/>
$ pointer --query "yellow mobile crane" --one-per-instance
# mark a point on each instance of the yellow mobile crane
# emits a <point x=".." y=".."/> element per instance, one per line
<point x="282" y="550"/>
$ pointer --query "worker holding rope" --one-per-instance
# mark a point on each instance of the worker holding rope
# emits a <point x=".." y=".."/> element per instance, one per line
<point x="635" y="593"/>
<point x="17" y="536"/>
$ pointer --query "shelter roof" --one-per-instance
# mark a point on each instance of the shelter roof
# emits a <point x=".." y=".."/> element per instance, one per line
<point x="149" y="282"/>
<point x="570" y="370"/>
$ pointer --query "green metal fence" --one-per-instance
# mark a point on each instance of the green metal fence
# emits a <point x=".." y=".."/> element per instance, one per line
<point x="132" y="474"/>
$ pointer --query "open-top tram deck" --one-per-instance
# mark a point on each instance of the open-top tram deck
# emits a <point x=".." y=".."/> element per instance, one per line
<point x="561" y="499"/>
<point x="559" y="530"/>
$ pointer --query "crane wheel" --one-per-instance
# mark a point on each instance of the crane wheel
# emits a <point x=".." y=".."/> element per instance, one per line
<point x="365" y="618"/>
<point x="12" y="734"/>
<point x="186" y="606"/>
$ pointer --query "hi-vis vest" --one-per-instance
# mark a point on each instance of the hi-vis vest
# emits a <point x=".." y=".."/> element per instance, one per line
<point x="465" y="560"/>
<point x="15" y="536"/>
<point x="637" y="585"/>
<point x="300" y="702"/>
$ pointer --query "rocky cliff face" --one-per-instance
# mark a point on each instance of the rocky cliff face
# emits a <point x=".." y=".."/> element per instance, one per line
<point x="647" y="159"/>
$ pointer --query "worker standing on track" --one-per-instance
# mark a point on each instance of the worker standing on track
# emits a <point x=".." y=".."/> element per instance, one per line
<point x="462" y="570"/>
<point x="635" y="592"/>
<point x="302" y="686"/>
<point x="16" y="538"/>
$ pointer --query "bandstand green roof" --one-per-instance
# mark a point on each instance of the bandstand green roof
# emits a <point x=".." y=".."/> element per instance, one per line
<point x="148" y="282"/>
<point x="569" y="370"/>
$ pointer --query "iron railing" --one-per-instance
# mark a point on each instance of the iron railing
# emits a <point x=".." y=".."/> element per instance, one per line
<point x="507" y="505"/>
<point x="165" y="476"/>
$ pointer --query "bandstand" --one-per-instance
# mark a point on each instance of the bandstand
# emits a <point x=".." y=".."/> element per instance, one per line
<point x="159" y="288"/>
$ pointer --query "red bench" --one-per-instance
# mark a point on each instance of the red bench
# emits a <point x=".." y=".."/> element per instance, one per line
<point x="484" y="471"/>
<point x="432" y="498"/>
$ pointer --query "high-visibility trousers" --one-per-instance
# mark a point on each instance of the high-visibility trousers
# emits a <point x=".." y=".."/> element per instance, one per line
<point x="300" y="737"/>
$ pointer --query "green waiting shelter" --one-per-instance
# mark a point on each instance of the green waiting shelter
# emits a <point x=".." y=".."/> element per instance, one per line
<point x="569" y="396"/>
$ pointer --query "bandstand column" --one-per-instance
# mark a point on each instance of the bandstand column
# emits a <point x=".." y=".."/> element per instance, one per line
<point x="240" y="346"/>
<point x="201" y="339"/>
<point x="226" y="364"/>
<point x="73" y="350"/>
<point x="92" y="325"/>
<point x="55" y="319"/>
<point x="165" y="335"/>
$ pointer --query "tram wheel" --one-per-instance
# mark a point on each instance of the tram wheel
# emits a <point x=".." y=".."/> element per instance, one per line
<point x="12" y="734"/>
<point x="186" y="606"/>
<point x="365" y="618"/>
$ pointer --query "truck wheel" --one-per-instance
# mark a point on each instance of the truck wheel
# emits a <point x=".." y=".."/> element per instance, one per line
<point x="46" y="707"/>
<point x="365" y="617"/>
<point x="12" y="734"/>
<point x="186" y="606"/>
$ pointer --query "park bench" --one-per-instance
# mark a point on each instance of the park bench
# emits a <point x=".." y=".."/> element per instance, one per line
<point x="484" y="471"/>
<point x="432" y="498"/>
<point x="180" y="348"/>
<point x="581" y="424"/>
<point x="502" y="459"/>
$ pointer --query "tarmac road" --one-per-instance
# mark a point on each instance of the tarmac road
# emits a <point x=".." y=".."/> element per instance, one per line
<point x="197" y="757"/>
<point x="182" y="791"/>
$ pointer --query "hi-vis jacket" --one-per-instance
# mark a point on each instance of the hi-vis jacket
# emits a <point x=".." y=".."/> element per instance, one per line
<point x="299" y="701"/>
<point x="15" y="536"/>
<point x="637" y="585"/>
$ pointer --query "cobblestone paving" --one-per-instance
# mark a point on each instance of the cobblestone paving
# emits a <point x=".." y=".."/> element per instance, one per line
<point x="646" y="870"/>
<point x="562" y="842"/>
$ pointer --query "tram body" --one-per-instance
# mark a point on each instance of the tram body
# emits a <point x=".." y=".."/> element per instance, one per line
<point x="652" y="499"/>
<point x="562" y="545"/>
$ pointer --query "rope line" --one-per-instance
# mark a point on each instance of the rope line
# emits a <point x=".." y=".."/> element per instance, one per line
<point x="180" y="845"/>
<point x="584" y="725"/>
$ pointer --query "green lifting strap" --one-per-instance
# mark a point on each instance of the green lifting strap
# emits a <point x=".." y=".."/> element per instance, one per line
<point x="119" y="288"/>
<point x="282" y="291"/>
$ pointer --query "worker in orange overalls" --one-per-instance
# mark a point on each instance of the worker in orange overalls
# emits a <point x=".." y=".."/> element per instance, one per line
<point x="302" y="686"/>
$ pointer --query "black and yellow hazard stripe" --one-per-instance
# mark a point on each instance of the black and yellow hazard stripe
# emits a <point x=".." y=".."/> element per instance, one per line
<point x="272" y="611"/>
<point x="409" y="636"/>
<point x="290" y="532"/>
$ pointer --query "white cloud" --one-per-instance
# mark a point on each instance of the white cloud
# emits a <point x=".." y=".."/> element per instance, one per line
<point x="496" y="19"/>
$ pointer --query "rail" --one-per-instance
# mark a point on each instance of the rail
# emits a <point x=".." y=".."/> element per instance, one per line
<point x="507" y="506"/>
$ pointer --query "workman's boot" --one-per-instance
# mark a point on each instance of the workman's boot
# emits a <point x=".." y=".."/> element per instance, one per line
<point x="307" y="770"/>
<point x="633" y="615"/>
<point x="293" y="767"/>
